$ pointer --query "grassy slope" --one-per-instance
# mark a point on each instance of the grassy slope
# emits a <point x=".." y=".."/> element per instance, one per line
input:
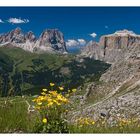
<point x="23" y="63"/>
<point x="13" y="115"/>
<point x="14" y="118"/>
<point x="30" y="72"/>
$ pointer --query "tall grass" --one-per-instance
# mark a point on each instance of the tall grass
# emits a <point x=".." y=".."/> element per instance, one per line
<point x="15" y="118"/>
<point x="94" y="129"/>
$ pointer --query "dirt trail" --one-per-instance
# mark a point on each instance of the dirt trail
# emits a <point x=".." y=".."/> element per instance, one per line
<point x="106" y="98"/>
<point x="29" y="107"/>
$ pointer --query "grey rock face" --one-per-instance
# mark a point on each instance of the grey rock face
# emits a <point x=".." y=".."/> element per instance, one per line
<point x="111" y="47"/>
<point x="50" y="40"/>
<point x="15" y="36"/>
<point x="120" y="84"/>
<point x="93" y="50"/>
<point x="30" y="36"/>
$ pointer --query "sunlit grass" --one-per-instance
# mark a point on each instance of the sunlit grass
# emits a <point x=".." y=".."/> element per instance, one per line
<point x="14" y="117"/>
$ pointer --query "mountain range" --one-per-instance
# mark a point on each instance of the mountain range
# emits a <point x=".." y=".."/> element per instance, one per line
<point x="113" y="47"/>
<point x="50" y="40"/>
<point x="106" y="73"/>
<point x="118" y="90"/>
<point x="28" y="63"/>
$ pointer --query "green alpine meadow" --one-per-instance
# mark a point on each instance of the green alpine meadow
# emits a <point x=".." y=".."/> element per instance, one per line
<point x="69" y="70"/>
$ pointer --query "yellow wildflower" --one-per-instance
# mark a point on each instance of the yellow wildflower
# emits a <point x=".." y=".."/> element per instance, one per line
<point x="68" y="91"/>
<point x="74" y="90"/>
<point x="66" y="110"/>
<point x="49" y="100"/>
<point x="50" y="104"/>
<point x="61" y="88"/>
<point x="44" y="89"/>
<point x="59" y="97"/>
<point x="40" y="98"/>
<point x="54" y="101"/>
<point x="58" y="103"/>
<point x="65" y="100"/>
<point x="93" y="122"/>
<point x="43" y="93"/>
<point x="44" y="120"/>
<point x="34" y="100"/>
<point x="39" y="103"/>
<point x="37" y="107"/>
<point x="52" y="84"/>
<point x="54" y="93"/>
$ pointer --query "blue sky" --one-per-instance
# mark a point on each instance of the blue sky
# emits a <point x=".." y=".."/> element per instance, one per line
<point x="75" y="23"/>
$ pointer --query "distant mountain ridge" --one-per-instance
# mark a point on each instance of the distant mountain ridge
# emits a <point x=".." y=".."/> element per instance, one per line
<point x="112" y="47"/>
<point x="50" y="40"/>
<point x="118" y="93"/>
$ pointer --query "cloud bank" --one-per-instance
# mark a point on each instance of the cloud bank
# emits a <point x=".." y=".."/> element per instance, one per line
<point x="17" y="21"/>
<point x="75" y="43"/>
<point x="93" y="35"/>
<point x="81" y="41"/>
<point x="1" y="21"/>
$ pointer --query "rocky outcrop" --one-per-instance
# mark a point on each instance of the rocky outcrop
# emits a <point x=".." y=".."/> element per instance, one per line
<point x="93" y="50"/>
<point x="30" y="36"/>
<point x="111" y="48"/>
<point x="119" y="86"/>
<point x="15" y="36"/>
<point x="50" y="40"/>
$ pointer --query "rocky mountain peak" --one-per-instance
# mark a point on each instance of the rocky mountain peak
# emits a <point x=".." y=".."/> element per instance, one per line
<point x="17" y="30"/>
<point x="120" y="84"/>
<point x="112" y="47"/>
<point x="51" y="40"/>
<point x="15" y="36"/>
<point x="124" y="32"/>
<point x="30" y="36"/>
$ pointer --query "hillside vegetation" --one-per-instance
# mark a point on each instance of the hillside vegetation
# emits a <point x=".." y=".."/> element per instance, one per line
<point x="23" y="72"/>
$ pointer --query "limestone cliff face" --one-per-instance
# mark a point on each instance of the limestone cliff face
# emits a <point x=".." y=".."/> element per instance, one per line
<point x="93" y="50"/>
<point x="51" y="40"/>
<point x="120" y="84"/>
<point x="111" y="48"/>
<point x="54" y="39"/>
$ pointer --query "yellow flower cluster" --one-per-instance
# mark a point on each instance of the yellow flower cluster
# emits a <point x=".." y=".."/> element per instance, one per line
<point x="126" y="122"/>
<point x="50" y="98"/>
<point x="44" y="120"/>
<point x="52" y="84"/>
<point x="74" y="90"/>
<point x="85" y="121"/>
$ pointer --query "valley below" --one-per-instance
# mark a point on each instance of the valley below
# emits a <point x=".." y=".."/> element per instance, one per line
<point x="101" y="82"/>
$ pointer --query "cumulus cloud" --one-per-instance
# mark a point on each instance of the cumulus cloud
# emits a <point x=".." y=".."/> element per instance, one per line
<point x="81" y="41"/>
<point x="72" y="42"/>
<point x="1" y="21"/>
<point x="17" y="20"/>
<point x="93" y="35"/>
<point x="75" y="43"/>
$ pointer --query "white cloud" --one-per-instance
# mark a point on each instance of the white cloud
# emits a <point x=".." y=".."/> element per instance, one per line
<point x="72" y="43"/>
<point x="17" y="20"/>
<point x="1" y="21"/>
<point x="93" y="35"/>
<point x="75" y="43"/>
<point x="81" y="41"/>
